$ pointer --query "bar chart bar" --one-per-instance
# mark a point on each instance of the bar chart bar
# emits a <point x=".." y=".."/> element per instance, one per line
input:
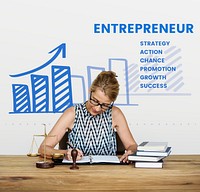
<point x="92" y="73"/>
<point x="61" y="88"/>
<point x="120" y="67"/>
<point x="40" y="93"/>
<point x="21" y="98"/>
<point x="78" y="87"/>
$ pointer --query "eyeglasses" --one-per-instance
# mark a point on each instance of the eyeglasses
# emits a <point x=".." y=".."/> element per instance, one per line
<point x="102" y="105"/>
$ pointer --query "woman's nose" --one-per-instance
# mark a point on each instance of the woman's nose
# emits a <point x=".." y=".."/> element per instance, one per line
<point x="98" y="108"/>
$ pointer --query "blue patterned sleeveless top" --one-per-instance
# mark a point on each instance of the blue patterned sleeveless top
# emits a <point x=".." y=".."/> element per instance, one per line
<point x="93" y="135"/>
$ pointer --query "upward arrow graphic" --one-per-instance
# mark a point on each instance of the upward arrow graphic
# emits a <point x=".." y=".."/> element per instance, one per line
<point x="60" y="49"/>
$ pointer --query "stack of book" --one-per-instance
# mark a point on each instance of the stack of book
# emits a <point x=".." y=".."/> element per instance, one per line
<point x="150" y="154"/>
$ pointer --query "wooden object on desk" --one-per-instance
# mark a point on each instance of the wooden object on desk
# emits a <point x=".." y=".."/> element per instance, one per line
<point x="180" y="173"/>
<point x="74" y="154"/>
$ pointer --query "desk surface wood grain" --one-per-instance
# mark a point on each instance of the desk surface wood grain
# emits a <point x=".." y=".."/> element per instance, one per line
<point x="180" y="173"/>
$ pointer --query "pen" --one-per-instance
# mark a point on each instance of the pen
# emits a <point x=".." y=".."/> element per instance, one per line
<point x="68" y="143"/>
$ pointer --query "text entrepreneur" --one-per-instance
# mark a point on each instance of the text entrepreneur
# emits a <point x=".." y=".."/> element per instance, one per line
<point x="143" y="28"/>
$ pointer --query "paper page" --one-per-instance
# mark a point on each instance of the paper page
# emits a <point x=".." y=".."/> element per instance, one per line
<point x="105" y="159"/>
<point x="95" y="159"/>
<point x="85" y="159"/>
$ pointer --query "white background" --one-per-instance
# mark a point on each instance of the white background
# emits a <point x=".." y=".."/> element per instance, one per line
<point x="30" y="29"/>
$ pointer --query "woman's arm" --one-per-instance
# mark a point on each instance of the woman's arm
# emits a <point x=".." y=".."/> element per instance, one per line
<point x="120" y="123"/>
<point x="64" y="123"/>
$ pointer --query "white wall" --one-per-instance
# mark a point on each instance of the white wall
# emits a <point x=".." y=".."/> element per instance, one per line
<point x="31" y="29"/>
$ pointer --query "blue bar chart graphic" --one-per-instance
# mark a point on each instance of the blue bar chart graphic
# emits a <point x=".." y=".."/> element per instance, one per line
<point x="37" y="98"/>
<point x="57" y="91"/>
<point x="61" y="93"/>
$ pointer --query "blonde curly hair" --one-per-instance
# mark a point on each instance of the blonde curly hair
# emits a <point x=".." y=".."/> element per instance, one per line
<point x="107" y="82"/>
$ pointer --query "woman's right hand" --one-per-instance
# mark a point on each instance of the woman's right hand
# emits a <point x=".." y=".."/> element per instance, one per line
<point x="68" y="155"/>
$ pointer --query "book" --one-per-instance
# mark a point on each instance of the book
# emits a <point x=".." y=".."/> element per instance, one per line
<point x="95" y="159"/>
<point x="144" y="164"/>
<point x="134" y="157"/>
<point x="152" y="146"/>
<point x="155" y="153"/>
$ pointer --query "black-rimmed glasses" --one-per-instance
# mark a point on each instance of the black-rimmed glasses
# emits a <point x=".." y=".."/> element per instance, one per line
<point x="102" y="105"/>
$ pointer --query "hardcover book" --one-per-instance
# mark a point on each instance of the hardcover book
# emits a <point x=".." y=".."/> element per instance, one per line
<point x="155" y="153"/>
<point x="134" y="157"/>
<point x="152" y="146"/>
<point x="145" y="164"/>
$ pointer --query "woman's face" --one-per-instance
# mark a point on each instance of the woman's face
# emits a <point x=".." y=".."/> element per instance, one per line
<point x="98" y="102"/>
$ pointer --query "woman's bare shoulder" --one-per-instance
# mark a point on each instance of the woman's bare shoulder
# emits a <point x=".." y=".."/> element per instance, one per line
<point x="116" y="110"/>
<point x="67" y="118"/>
<point x="117" y="114"/>
<point x="69" y="113"/>
<point x="70" y="110"/>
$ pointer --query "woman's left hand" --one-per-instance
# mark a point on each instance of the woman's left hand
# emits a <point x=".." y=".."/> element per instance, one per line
<point x="124" y="157"/>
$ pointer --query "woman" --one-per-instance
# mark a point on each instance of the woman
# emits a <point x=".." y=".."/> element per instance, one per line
<point x="92" y="124"/>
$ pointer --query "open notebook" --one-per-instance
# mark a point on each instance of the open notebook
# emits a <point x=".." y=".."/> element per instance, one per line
<point x="95" y="159"/>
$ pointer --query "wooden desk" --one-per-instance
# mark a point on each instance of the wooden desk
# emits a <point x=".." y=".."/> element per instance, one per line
<point x="180" y="174"/>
